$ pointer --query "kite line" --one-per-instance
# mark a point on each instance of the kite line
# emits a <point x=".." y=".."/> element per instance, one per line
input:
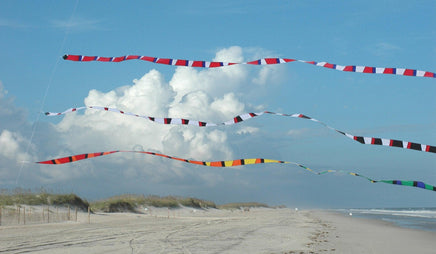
<point x="263" y="61"/>
<point x="234" y="163"/>
<point x="246" y="116"/>
<point x="49" y="83"/>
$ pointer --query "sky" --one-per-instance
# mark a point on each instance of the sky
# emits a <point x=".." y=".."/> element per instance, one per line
<point x="34" y="79"/>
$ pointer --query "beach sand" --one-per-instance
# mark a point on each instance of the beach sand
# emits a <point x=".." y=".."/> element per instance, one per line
<point x="186" y="230"/>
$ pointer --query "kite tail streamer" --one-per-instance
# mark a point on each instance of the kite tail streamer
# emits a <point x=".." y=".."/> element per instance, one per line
<point x="74" y="158"/>
<point x="417" y="184"/>
<point x="263" y="61"/>
<point x="247" y="116"/>
<point x="49" y="83"/>
<point x="65" y="112"/>
<point x="233" y="163"/>
<point x="410" y="183"/>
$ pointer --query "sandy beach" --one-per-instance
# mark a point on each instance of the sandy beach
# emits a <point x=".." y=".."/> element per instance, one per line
<point x="186" y="230"/>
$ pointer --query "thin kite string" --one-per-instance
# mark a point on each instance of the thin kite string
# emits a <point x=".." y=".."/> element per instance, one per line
<point x="50" y="81"/>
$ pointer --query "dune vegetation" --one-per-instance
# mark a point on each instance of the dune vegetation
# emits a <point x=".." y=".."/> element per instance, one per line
<point x="28" y="197"/>
<point x="121" y="203"/>
<point x="242" y="205"/>
<point x="131" y="202"/>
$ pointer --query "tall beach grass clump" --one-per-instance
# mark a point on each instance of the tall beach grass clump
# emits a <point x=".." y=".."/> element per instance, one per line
<point x="42" y="197"/>
<point x="132" y="203"/>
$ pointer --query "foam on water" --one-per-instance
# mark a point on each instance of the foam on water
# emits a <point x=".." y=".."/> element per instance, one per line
<point x="416" y="218"/>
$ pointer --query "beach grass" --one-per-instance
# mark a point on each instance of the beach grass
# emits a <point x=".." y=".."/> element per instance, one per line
<point x="120" y="203"/>
<point x="130" y="202"/>
<point x="242" y="205"/>
<point x="28" y="197"/>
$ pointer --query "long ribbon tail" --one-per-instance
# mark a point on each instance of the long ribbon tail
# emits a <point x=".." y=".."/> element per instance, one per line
<point x="233" y="163"/>
<point x="417" y="184"/>
<point x="370" y="140"/>
<point x="166" y="120"/>
<point x="263" y="61"/>
<point x="74" y="158"/>
<point x="230" y="163"/>
<point x="246" y="116"/>
<point x="64" y="112"/>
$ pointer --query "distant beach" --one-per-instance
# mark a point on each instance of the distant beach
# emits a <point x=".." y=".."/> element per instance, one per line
<point x="190" y="230"/>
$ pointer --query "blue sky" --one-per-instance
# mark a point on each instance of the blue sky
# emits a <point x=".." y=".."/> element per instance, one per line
<point x="34" y="78"/>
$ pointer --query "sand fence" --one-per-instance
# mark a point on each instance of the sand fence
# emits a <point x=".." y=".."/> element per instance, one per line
<point x="23" y="214"/>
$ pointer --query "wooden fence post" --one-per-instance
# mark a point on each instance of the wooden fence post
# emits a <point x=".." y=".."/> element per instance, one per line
<point x="89" y="215"/>
<point x="76" y="213"/>
<point x="19" y="215"/>
<point x="24" y="215"/>
<point x="68" y="212"/>
<point x="48" y="214"/>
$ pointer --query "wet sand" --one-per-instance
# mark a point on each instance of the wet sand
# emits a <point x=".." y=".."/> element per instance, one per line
<point x="187" y="230"/>
<point x="357" y="235"/>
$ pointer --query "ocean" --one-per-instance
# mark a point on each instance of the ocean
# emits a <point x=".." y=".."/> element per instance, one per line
<point x="416" y="218"/>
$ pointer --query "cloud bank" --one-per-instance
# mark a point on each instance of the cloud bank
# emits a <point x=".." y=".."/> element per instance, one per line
<point x="199" y="94"/>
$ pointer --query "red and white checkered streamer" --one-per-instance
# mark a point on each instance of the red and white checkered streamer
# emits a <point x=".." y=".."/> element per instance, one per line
<point x="263" y="61"/>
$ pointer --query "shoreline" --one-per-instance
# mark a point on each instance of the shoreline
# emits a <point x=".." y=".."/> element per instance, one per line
<point x="351" y="234"/>
<point x="187" y="230"/>
<point x="412" y="218"/>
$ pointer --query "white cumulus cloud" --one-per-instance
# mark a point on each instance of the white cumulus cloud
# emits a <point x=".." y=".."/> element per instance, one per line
<point x="198" y="94"/>
<point x="13" y="146"/>
<point x="213" y="95"/>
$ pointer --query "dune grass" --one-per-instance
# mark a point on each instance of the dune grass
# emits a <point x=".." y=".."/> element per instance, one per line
<point x="28" y="197"/>
<point x="242" y="205"/>
<point x="121" y="203"/>
<point x="129" y="203"/>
